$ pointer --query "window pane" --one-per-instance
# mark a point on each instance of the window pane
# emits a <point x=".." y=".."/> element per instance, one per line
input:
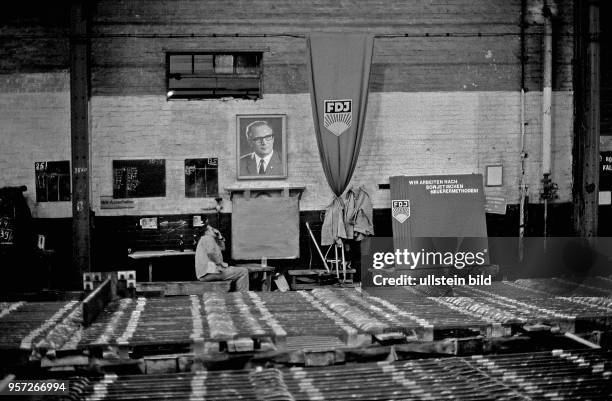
<point x="180" y="64"/>
<point x="247" y="63"/>
<point x="224" y="64"/>
<point x="214" y="75"/>
<point x="203" y="64"/>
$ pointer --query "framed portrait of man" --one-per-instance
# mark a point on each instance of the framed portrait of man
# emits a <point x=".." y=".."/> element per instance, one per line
<point x="261" y="142"/>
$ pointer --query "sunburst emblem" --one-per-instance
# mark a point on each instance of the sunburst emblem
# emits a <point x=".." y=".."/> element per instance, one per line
<point x="338" y="115"/>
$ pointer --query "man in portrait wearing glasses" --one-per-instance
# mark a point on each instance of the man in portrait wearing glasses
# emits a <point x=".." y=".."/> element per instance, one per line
<point x="263" y="160"/>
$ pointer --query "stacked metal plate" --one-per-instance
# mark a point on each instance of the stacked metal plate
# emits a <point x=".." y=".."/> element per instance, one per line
<point x="584" y="287"/>
<point x="553" y="375"/>
<point x="24" y="324"/>
<point x="146" y="321"/>
<point x="552" y="301"/>
<point x="338" y="314"/>
<point x="345" y="313"/>
<point x="155" y="318"/>
<point x="405" y="308"/>
<point x="212" y="317"/>
<point x="300" y="313"/>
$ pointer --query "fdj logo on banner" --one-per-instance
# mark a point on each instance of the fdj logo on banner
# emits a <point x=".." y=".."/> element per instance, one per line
<point x="400" y="210"/>
<point x="338" y="115"/>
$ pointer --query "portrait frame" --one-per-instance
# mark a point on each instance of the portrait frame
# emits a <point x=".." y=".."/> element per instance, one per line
<point x="245" y="159"/>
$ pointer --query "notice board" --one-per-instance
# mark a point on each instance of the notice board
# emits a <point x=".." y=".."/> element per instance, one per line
<point x="605" y="178"/>
<point x="265" y="227"/>
<point x="52" y="181"/>
<point x="605" y="171"/>
<point x="441" y="212"/>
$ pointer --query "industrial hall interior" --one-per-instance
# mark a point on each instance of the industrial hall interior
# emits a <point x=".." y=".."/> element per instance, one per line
<point x="306" y="200"/>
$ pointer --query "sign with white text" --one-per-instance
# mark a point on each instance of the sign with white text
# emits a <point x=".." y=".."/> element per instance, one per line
<point x="443" y="209"/>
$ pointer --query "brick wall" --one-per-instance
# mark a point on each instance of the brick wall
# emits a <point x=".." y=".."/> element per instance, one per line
<point x="405" y="133"/>
<point x="482" y="51"/>
<point x="34" y="37"/>
<point x="34" y="127"/>
<point x="438" y="104"/>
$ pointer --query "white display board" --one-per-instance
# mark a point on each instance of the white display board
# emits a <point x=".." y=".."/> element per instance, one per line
<point x="265" y="227"/>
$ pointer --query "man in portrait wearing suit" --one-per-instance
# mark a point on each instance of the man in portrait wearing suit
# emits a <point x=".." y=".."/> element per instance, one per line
<point x="263" y="160"/>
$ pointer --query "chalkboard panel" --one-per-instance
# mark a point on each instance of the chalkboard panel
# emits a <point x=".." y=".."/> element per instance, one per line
<point x="139" y="178"/>
<point x="7" y="229"/>
<point x="52" y="181"/>
<point x="201" y="178"/>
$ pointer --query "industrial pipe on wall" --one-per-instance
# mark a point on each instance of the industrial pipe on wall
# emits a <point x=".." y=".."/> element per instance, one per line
<point x="542" y="12"/>
<point x="546" y="112"/>
<point x="523" y="154"/>
<point x="549" y="10"/>
<point x="547" y="95"/>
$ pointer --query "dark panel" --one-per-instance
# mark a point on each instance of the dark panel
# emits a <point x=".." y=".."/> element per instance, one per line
<point x="139" y="178"/>
<point x="52" y="181"/>
<point x="58" y="238"/>
<point x="201" y="178"/>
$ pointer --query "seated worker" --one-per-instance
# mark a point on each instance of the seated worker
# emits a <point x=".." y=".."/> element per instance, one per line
<point x="209" y="264"/>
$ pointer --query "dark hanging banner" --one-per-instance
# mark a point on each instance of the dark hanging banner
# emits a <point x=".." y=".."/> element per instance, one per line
<point x="339" y="78"/>
<point x="339" y="68"/>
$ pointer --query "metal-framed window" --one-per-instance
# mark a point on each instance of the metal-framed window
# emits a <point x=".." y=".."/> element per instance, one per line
<point x="214" y="75"/>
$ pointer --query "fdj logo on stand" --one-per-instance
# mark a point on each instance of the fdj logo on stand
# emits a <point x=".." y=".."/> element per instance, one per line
<point x="400" y="210"/>
<point x="338" y="115"/>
